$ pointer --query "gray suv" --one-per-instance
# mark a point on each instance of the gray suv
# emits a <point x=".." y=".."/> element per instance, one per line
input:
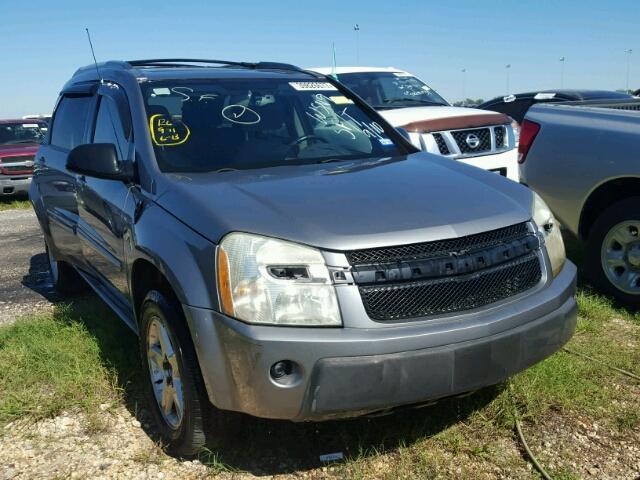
<point x="282" y="251"/>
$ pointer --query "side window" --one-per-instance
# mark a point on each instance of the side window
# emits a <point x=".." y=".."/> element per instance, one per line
<point x="69" y="122"/>
<point x="109" y="128"/>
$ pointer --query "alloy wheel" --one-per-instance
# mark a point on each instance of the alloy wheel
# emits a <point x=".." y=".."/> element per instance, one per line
<point x="165" y="373"/>
<point x="620" y="256"/>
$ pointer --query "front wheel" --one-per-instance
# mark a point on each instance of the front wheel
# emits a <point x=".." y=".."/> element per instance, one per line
<point x="175" y="390"/>
<point x="613" y="252"/>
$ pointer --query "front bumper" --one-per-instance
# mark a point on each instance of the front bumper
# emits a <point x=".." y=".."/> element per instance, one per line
<point x="14" y="185"/>
<point x="345" y="372"/>
<point x="504" y="163"/>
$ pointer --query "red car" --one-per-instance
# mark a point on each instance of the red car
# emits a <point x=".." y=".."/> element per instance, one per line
<point x="19" y="141"/>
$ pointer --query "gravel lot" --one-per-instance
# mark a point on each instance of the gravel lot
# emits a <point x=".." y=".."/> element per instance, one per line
<point x="25" y="286"/>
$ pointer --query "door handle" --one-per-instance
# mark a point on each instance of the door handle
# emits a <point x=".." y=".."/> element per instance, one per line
<point x="42" y="160"/>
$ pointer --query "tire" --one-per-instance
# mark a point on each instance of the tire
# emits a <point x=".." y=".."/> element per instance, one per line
<point x="161" y="321"/>
<point x="66" y="281"/>
<point x="614" y="266"/>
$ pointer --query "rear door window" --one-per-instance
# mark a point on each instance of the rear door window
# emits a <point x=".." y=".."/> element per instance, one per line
<point x="69" y="122"/>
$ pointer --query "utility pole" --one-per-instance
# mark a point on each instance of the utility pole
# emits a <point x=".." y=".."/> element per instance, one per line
<point x="464" y="87"/>
<point x="508" y="68"/>
<point x="356" y="28"/>
<point x="628" y="52"/>
<point x="562" y="60"/>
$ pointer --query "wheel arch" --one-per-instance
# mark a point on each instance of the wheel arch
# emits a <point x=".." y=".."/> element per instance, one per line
<point x="604" y="195"/>
<point x="166" y="254"/>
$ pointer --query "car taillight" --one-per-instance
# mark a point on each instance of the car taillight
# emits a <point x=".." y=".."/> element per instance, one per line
<point x="528" y="132"/>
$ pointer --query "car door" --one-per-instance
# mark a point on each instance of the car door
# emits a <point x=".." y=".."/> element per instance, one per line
<point x="103" y="222"/>
<point x="55" y="184"/>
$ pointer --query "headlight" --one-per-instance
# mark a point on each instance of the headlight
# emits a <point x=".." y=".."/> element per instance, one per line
<point x="268" y="281"/>
<point x="550" y="229"/>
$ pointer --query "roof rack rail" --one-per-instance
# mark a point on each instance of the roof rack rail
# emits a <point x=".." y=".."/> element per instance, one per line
<point x="181" y="62"/>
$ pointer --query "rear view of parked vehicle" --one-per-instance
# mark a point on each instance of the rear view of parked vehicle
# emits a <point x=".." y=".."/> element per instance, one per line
<point x="592" y="185"/>
<point x="282" y="251"/>
<point x="19" y="141"/>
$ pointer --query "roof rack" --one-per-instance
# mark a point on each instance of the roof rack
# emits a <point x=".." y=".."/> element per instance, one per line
<point x="187" y="62"/>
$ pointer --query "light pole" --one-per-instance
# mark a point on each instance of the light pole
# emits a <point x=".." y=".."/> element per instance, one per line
<point x="464" y="89"/>
<point x="628" y="52"/>
<point x="356" y="28"/>
<point x="507" y="67"/>
<point x="562" y="60"/>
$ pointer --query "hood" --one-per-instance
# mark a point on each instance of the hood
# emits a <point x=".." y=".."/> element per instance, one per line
<point x="20" y="149"/>
<point x="348" y="205"/>
<point x="436" y="119"/>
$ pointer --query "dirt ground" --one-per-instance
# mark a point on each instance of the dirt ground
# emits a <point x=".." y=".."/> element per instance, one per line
<point x="25" y="287"/>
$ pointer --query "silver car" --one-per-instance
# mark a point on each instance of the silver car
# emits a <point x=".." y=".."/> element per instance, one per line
<point x="583" y="160"/>
<point x="283" y="251"/>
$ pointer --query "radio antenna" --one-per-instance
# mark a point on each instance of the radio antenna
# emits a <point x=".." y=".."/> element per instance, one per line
<point x="93" y="53"/>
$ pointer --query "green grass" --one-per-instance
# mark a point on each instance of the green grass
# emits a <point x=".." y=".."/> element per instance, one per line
<point x="13" y="203"/>
<point x="76" y="358"/>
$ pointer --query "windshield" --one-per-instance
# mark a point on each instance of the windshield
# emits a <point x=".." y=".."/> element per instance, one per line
<point x="391" y="89"/>
<point x="16" y="133"/>
<point x="234" y="124"/>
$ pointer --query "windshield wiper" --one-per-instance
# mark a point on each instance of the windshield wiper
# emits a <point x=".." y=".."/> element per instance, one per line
<point x="412" y="100"/>
<point x="330" y="160"/>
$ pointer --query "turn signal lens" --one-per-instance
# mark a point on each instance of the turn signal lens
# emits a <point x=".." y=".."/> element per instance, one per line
<point x="224" y="284"/>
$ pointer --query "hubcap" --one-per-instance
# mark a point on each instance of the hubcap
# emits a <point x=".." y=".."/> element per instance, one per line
<point x="620" y="256"/>
<point x="165" y="373"/>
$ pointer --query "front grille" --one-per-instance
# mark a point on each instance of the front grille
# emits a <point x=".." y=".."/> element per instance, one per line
<point x="500" y="134"/>
<point x="442" y="145"/>
<point x="17" y="159"/>
<point x="418" y="251"/>
<point x="482" y="134"/>
<point x="15" y="169"/>
<point x="447" y="295"/>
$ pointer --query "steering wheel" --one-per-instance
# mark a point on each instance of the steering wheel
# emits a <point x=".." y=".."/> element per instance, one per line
<point x="305" y="138"/>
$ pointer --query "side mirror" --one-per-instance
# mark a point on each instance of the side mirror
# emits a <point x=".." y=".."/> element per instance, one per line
<point x="99" y="160"/>
<point x="404" y="133"/>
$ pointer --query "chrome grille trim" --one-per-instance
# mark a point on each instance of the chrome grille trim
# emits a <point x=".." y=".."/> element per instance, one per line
<point x="444" y="142"/>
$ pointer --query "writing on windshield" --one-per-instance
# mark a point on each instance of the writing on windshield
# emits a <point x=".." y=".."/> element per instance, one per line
<point x="227" y="124"/>
<point x="391" y="89"/>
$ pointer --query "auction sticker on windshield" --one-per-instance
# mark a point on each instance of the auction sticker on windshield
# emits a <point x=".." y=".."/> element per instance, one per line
<point x="312" y="86"/>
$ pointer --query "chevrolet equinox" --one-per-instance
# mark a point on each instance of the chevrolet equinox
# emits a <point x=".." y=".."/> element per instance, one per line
<point x="282" y="251"/>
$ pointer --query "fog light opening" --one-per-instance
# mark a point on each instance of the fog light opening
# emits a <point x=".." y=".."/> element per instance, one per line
<point x="285" y="373"/>
<point x="281" y="369"/>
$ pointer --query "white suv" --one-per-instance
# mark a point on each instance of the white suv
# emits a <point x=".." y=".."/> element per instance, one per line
<point x="477" y="137"/>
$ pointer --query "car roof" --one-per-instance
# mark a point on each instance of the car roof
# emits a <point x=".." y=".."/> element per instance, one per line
<point x="159" y="69"/>
<point x="565" y="94"/>
<point x="343" y="70"/>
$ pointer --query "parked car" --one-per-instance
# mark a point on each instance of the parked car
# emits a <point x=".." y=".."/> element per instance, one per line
<point x="19" y="140"/>
<point x="281" y="250"/>
<point x="44" y="117"/>
<point x="516" y="106"/>
<point x="476" y="137"/>
<point x="592" y="184"/>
